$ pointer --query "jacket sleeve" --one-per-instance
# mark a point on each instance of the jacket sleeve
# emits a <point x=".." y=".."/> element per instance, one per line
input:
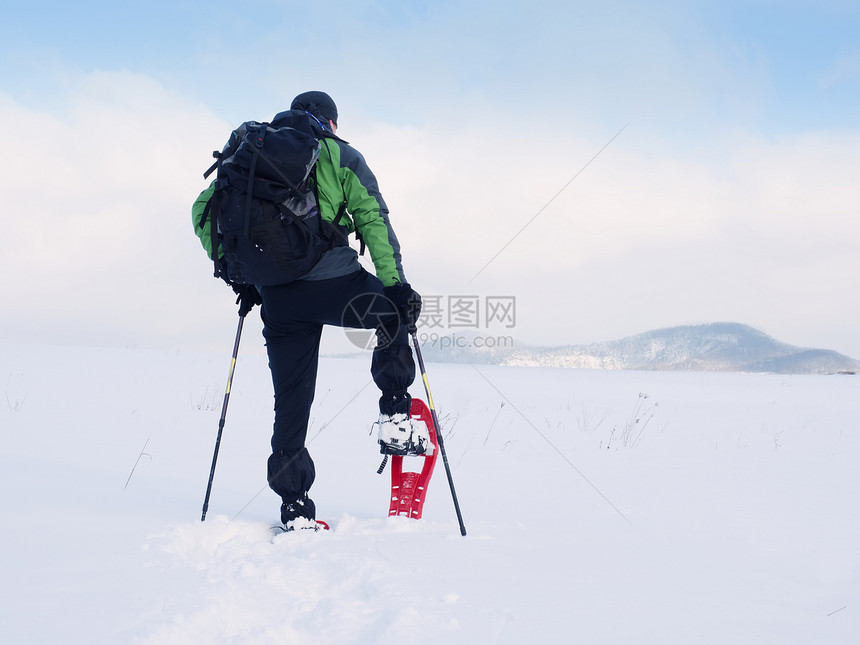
<point x="370" y="214"/>
<point x="201" y="228"/>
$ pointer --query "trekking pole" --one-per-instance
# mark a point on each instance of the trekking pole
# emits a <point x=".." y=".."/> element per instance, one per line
<point x="223" y="416"/>
<point x="438" y="431"/>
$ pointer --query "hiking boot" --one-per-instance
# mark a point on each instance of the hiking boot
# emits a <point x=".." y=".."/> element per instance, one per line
<point x="400" y="435"/>
<point x="302" y="507"/>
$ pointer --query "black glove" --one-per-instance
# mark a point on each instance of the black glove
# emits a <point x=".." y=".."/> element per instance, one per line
<point x="248" y="297"/>
<point x="407" y="301"/>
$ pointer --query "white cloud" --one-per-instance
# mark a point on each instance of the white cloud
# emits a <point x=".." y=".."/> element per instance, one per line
<point x="755" y="230"/>
<point x="761" y="231"/>
<point x="98" y="200"/>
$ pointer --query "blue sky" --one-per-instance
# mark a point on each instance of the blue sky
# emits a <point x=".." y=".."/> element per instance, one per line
<point x="796" y="63"/>
<point x="731" y="193"/>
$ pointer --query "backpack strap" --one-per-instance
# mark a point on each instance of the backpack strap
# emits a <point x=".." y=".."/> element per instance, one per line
<point x="217" y="155"/>
<point x="213" y="226"/>
<point x="258" y="146"/>
<point x="340" y="212"/>
<point x="213" y="233"/>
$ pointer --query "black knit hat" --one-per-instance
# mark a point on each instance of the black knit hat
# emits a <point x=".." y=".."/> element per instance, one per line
<point x="319" y="104"/>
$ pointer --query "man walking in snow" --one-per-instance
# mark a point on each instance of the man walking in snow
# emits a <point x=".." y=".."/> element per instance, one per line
<point x="335" y="291"/>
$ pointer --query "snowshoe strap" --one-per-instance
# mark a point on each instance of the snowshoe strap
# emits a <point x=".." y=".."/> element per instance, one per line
<point x="382" y="465"/>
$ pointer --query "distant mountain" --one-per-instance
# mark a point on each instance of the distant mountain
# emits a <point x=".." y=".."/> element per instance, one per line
<point x="723" y="347"/>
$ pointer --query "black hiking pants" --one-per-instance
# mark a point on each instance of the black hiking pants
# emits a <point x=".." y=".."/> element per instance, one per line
<point x="293" y="317"/>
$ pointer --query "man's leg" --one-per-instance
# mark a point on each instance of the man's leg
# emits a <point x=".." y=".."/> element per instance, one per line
<point x="293" y="316"/>
<point x="392" y="366"/>
<point x="364" y="306"/>
<point x="293" y="351"/>
<point x="393" y="371"/>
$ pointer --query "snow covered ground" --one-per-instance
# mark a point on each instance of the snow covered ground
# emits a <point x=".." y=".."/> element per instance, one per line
<point x="601" y="507"/>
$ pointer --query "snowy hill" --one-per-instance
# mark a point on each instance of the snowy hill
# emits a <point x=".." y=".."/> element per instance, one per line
<point x="718" y="347"/>
<point x="602" y="507"/>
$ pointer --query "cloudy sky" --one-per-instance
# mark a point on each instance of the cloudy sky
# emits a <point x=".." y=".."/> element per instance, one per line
<point x="615" y="167"/>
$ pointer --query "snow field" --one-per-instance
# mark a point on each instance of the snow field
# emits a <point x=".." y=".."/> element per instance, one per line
<point x="602" y="507"/>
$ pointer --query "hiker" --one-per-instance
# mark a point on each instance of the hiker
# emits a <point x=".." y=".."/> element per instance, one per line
<point x="336" y="290"/>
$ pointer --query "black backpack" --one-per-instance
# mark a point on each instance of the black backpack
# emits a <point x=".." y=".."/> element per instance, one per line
<point x="264" y="212"/>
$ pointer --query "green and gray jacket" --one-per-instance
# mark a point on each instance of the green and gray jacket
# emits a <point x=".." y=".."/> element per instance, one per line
<point x="343" y="181"/>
